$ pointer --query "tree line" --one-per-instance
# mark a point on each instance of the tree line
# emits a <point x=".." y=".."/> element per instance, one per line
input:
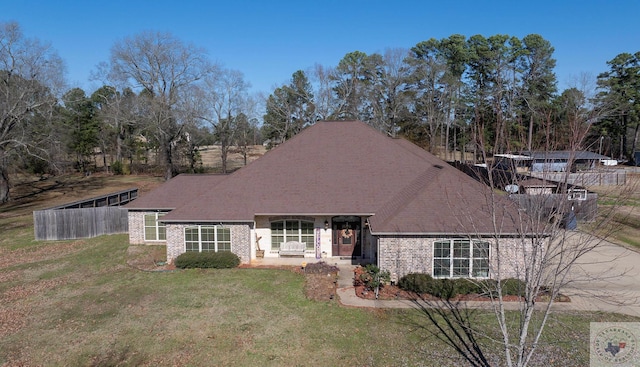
<point x="478" y="95"/>
<point x="162" y="95"/>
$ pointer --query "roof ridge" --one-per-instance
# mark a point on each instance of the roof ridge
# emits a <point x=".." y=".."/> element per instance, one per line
<point x="398" y="201"/>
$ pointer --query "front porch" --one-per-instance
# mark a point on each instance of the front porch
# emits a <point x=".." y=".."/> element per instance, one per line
<point x="320" y="237"/>
<point x="297" y="261"/>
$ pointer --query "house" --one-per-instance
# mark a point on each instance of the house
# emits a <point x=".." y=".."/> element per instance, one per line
<point x="339" y="189"/>
<point x="562" y="161"/>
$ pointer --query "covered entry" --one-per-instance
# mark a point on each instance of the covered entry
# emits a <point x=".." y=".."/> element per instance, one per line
<point x="346" y="236"/>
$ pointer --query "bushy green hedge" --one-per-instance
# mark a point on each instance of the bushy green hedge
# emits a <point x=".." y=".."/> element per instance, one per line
<point x="449" y="288"/>
<point x="513" y="287"/>
<point x="201" y="260"/>
<point x="416" y="283"/>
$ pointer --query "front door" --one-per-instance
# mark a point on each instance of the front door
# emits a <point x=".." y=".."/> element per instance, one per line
<point x="346" y="238"/>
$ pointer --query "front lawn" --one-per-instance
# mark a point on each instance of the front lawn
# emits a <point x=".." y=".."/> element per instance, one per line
<point x="79" y="303"/>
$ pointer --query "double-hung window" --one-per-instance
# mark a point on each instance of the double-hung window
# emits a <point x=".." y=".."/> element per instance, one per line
<point x="153" y="229"/>
<point x="292" y="230"/>
<point x="207" y="238"/>
<point x="458" y="258"/>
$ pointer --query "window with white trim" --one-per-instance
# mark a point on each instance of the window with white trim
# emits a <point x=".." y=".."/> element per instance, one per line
<point x="207" y="238"/>
<point x="153" y="229"/>
<point x="292" y="230"/>
<point x="457" y="258"/>
<point x="577" y="194"/>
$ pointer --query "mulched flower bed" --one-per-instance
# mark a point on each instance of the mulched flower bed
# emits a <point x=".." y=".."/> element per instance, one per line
<point x="393" y="292"/>
<point x="321" y="281"/>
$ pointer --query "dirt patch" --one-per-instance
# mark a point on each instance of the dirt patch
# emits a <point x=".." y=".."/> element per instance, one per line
<point x="321" y="281"/>
<point x="29" y="192"/>
<point x="148" y="258"/>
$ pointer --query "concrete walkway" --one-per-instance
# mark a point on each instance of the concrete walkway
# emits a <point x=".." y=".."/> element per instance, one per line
<point x="606" y="279"/>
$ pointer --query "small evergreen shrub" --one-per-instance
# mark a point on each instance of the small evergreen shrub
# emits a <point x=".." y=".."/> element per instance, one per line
<point x="450" y="288"/>
<point x="118" y="168"/>
<point x="203" y="260"/>
<point x="416" y="283"/>
<point x="466" y="286"/>
<point x="513" y="287"/>
<point x="372" y="277"/>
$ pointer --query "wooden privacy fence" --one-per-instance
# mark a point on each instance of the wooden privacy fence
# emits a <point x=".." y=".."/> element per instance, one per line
<point x="547" y="205"/>
<point x="69" y="224"/>
<point x="84" y="219"/>
<point x="585" y="179"/>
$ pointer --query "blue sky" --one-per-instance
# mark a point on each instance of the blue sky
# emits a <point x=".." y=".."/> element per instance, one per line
<point x="269" y="40"/>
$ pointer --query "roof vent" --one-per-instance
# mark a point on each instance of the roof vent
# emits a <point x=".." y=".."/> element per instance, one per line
<point x="438" y="166"/>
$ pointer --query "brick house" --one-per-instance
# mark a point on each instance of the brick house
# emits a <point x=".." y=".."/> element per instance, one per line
<point x="340" y="189"/>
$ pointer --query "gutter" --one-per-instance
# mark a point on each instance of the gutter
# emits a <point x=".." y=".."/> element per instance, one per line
<point x="449" y="234"/>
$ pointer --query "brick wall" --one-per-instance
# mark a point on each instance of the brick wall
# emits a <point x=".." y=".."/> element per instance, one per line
<point x="240" y="240"/>
<point x="175" y="241"/>
<point x="413" y="254"/>
<point x="136" y="229"/>
<point x="404" y="255"/>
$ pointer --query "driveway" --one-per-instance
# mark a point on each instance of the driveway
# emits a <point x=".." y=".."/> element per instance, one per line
<point x="606" y="279"/>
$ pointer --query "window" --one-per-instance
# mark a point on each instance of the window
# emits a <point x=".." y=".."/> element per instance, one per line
<point x="292" y="230"/>
<point x="460" y="259"/>
<point x="207" y="238"/>
<point x="154" y="230"/>
<point x="577" y="194"/>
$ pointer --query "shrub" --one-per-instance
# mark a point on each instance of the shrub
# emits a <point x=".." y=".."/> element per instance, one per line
<point x="513" y="287"/>
<point x="416" y="283"/>
<point x="202" y="260"/>
<point x="371" y="277"/>
<point x="117" y="167"/>
<point x="450" y="288"/>
<point x="467" y="286"/>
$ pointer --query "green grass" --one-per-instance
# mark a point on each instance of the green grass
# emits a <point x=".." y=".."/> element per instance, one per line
<point x="89" y="308"/>
<point x="78" y="303"/>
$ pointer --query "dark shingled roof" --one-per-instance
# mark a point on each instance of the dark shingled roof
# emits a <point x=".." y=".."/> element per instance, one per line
<point x="175" y="192"/>
<point x="349" y="168"/>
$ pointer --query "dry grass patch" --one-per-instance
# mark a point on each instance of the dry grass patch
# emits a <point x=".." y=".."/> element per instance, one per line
<point x="619" y="212"/>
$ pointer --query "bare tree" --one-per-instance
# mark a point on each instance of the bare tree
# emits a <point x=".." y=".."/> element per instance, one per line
<point x="224" y="97"/>
<point x="31" y="73"/>
<point x="543" y="253"/>
<point x="389" y="95"/>
<point x="325" y="102"/>
<point x="163" y="68"/>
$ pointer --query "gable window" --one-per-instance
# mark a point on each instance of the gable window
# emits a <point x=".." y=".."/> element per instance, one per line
<point x="460" y="259"/>
<point x="292" y="230"/>
<point x="207" y="238"/>
<point x="153" y="229"/>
